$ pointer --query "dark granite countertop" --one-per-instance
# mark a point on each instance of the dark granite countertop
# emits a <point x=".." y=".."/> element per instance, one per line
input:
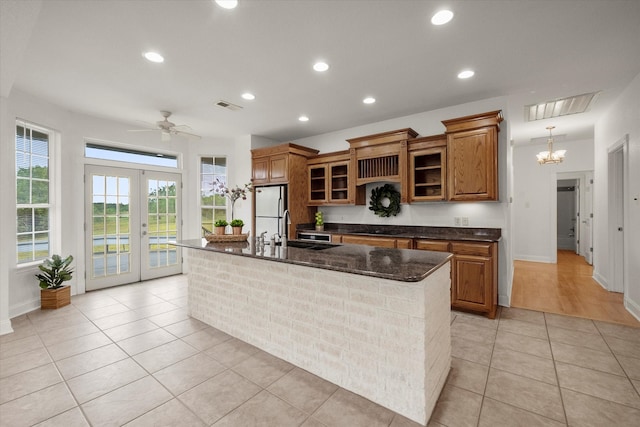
<point x="410" y="232"/>
<point x="404" y="265"/>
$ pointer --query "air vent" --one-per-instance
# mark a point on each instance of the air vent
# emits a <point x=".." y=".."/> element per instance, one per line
<point x="560" y="107"/>
<point x="228" y="105"/>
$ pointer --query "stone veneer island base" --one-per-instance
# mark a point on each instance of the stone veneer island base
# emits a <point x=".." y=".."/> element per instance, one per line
<point x="386" y="340"/>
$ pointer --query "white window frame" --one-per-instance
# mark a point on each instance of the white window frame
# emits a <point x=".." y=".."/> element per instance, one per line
<point x="200" y="174"/>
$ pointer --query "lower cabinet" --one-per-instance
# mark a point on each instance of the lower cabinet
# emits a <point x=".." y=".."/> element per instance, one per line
<point x="474" y="274"/>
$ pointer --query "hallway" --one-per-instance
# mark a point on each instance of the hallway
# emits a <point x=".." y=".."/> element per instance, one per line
<point x="566" y="288"/>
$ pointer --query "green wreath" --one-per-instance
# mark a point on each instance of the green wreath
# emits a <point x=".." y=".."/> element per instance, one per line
<point x="379" y="194"/>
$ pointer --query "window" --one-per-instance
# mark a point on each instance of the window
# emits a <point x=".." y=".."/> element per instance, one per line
<point x="33" y="193"/>
<point x="213" y="206"/>
<point x="103" y="152"/>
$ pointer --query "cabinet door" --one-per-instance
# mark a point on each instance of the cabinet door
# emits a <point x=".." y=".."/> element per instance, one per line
<point x="404" y="243"/>
<point x="473" y="164"/>
<point x="432" y="245"/>
<point x="260" y="170"/>
<point x="339" y="182"/>
<point x="278" y="168"/>
<point x="427" y="175"/>
<point x="381" y="242"/>
<point x="317" y="184"/>
<point x="472" y="283"/>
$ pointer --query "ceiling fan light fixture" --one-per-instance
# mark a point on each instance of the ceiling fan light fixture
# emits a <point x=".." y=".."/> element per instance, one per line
<point x="153" y="57"/>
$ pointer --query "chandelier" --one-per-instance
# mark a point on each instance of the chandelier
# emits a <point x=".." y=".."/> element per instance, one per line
<point x="550" y="156"/>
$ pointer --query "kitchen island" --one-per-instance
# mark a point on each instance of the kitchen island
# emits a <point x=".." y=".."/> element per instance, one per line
<point x="372" y="320"/>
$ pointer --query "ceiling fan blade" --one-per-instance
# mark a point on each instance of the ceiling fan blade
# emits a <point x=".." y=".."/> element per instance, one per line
<point x="182" y="128"/>
<point x="142" y="130"/>
<point x="187" y="134"/>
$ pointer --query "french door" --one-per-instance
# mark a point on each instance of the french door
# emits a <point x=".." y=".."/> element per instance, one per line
<point x="130" y="216"/>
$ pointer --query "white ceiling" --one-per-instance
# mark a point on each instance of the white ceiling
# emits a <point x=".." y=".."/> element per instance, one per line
<point x="87" y="56"/>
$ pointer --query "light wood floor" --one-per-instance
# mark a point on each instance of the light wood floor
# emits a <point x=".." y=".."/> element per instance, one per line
<point x="566" y="288"/>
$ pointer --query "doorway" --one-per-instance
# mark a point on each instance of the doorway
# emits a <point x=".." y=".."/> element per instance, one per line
<point x="616" y="163"/>
<point x="130" y="216"/>
<point x="568" y="195"/>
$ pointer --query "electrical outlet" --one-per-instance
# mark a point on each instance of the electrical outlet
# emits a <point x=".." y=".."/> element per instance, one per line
<point x="457" y="221"/>
<point x="465" y="221"/>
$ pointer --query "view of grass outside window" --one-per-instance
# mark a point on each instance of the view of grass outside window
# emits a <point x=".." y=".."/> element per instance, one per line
<point x="33" y="204"/>
<point x="161" y="201"/>
<point x="213" y="205"/>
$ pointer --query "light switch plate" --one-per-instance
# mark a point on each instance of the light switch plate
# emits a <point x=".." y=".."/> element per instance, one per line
<point x="465" y="221"/>
<point x="457" y="221"/>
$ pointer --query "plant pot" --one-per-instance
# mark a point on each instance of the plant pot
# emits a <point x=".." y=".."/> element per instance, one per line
<point x="320" y="227"/>
<point x="236" y="230"/>
<point x="219" y="230"/>
<point x="55" y="298"/>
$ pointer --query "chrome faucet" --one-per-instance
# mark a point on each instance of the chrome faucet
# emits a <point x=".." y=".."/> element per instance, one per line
<point x="286" y="220"/>
<point x="261" y="239"/>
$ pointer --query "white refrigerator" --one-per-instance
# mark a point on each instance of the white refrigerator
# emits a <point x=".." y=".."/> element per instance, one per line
<point x="271" y="202"/>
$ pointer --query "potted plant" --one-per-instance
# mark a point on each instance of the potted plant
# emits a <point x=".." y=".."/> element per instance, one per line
<point x="319" y="221"/>
<point x="220" y="225"/>
<point x="236" y="226"/>
<point x="54" y="272"/>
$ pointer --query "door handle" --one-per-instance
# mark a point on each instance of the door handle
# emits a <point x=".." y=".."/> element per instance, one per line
<point x="144" y="233"/>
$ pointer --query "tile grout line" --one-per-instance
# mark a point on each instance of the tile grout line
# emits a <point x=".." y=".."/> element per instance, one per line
<point x="555" y="370"/>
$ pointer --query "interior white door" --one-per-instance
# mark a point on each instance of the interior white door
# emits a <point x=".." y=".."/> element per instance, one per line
<point x="576" y="220"/>
<point x="616" y="219"/>
<point x="586" y="229"/>
<point x="130" y="217"/>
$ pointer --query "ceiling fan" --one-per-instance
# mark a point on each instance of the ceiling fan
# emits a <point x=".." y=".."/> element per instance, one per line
<point x="168" y="128"/>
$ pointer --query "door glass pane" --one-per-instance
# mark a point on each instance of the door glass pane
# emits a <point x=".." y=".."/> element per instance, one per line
<point x="162" y="199"/>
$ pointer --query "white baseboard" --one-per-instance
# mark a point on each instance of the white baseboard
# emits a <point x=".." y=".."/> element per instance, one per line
<point x="5" y="327"/>
<point x="600" y="280"/>
<point x="18" y="310"/>
<point x="533" y="258"/>
<point x="632" y="307"/>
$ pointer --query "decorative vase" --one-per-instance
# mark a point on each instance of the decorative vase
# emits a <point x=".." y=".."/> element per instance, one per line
<point x="236" y="230"/>
<point x="320" y="227"/>
<point x="219" y="230"/>
<point x="55" y="298"/>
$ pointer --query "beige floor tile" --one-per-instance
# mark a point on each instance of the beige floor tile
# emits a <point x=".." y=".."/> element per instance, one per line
<point x="586" y="358"/>
<point x="25" y="330"/>
<point x="619" y="331"/>
<point x="457" y="407"/>
<point x="400" y="421"/>
<point x="23" y="362"/>
<point x="104" y="380"/>
<point x="218" y="396"/>
<point x="155" y="309"/>
<point x="472" y="332"/>
<point x="78" y="345"/>
<point x="71" y="418"/>
<point x="471" y="351"/>
<point x="496" y="413"/>
<point x="129" y="330"/>
<point x="92" y="300"/>
<point x="526" y="365"/>
<point x="631" y="366"/>
<point x="636" y="384"/>
<point x="172" y="413"/>
<point x="188" y="373"/>
<point x="47" y="320"/>
<point x="598" y="384"/>
<point x="90" y="360"/>
<point x="523" y="315"/>
<point x="523" y="328"/>
<point x="170" y="317"/>
<point x="27" y="382"/>
<point x="478" y="320"/>
<point x="577" y="338"/>
<point x="525" y="393"/>
<point x="347" y="409"/>
<point x="622" y="347"/>
<point x="263" y="368"/>
<point x="117" y="319"/>
<point x="139" y="301"/>
<point x="303" y="390"/>
<point x="588" y="411"/>
<point x="185" y="327"/>
<point x="162" y="356"/>
<point x="263" y="409"/>
<point x="206" y="338"/>
<point x="180" y="302"/>
<point x="523" y="344"/>
<point x="20" y="346"/>
<point x="109" y="310"/>
<point x="36" y="407"/>
<point x="468" y="375"/>
<point x="126" y="403"/>
<point x="68" y="332"/>
<point x="569" y="322"/>
<point x="232" y="352"/>
<point x="146" y="341"/>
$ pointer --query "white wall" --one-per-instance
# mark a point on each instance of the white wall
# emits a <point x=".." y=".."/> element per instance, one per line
<point x="623" y="118"/>
<point x="19" y="292"/>
<point x="535" y="198"/>
<point x="480" y="214"/>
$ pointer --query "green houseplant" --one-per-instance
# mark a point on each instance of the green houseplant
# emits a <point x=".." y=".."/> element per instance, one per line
<point x="319" y="221"/>
<point x="54" y="272"/>
<point x="220" y="225"/>
<point x="236" y="226"/>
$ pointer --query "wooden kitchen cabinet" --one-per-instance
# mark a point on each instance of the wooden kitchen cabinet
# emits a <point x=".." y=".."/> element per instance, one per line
<point x="474" y="273"/>
<point x="381" y="242"/>
<point x="428" y="168"/>
<point x="330" y="175"/>
<point x="472" y="157"/>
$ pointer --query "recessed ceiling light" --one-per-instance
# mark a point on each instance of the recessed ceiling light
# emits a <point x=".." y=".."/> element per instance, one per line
<point x="321" y="66"/>
<point x="465" y="74"/>
<point x="248" y="96"/>
<point x="442" y="17"/>
<point x="369" y="100"/>
<point x="227" y="4"/>
<point x="303" y="118"/>
<point x="153" y="57"/>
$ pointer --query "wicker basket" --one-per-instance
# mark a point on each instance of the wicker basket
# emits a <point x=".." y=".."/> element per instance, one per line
<point x="226" y="237"/>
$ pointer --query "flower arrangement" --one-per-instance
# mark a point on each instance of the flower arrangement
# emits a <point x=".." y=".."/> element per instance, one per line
<point x="233" y="194"/>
